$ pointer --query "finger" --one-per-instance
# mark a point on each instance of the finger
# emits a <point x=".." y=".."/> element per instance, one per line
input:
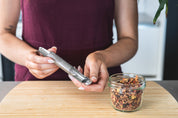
<point x="53" y="49"/>
<point x="103" y="77"/>
<point x="80" y="69"/>
<point x="93" y="87"/>
<point x="34" y="74"/>
<point x="94" y="71"/>
<point x="51" y="71"/>
<point x="40" y="59"/>
<point x="37" y="66"/>
<point x="86" y="71"/>
<point x="42" y="74"/>
<point x="76" y="83"/>
<point x="99" y="87"/>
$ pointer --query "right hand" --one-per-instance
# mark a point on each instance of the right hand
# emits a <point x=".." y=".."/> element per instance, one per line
<point x="40" y="66"/>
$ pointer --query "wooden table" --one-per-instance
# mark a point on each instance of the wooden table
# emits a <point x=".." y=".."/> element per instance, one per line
<point x="48" y="99"/>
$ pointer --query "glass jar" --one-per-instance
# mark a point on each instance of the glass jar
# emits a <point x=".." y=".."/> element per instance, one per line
<point x="126" y="90"/>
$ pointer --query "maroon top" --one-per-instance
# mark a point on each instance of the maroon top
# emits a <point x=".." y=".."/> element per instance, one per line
<point x="75" y="27"/>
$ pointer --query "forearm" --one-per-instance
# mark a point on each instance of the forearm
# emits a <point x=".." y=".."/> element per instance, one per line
<point x="10" y="46"/>
<point x="126" y="20"/>
<point x="14" y="48"/>
<point x="119" y="52"/>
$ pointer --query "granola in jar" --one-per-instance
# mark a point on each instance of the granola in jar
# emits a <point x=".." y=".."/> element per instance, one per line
<point x="126" y="91"/>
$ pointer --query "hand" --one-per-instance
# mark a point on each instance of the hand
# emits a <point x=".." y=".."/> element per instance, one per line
<point x="40" y="66"/>
<point x="96" y="70"/>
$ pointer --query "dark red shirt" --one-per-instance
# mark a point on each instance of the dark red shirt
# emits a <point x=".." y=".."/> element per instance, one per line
<point x="75" y="27"/>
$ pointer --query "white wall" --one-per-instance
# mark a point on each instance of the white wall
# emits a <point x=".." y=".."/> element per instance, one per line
<point x="150" y="56"/>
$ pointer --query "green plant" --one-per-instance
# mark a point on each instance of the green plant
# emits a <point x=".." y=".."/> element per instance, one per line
<point x="162" y="3"/>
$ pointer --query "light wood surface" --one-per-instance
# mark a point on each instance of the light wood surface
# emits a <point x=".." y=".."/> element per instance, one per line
<point x="59" y="99"/>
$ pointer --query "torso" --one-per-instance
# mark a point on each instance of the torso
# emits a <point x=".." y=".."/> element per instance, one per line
<point x="75" y="27"/>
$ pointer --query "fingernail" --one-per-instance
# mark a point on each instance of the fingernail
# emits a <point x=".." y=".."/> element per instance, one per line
<point x="79" y="68"/>
<point x="50" y="61"/>
<point x="54" y="47"/>
<point x="94" y="78"/>
<point x="80" y="88"/>
<point x="70" y="77"/>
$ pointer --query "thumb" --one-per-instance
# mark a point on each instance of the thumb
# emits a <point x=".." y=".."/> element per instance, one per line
<point x="94" y="72"/>
<point x="53" y="49"/>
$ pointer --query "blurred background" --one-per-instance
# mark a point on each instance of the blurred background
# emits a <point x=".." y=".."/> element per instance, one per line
<point x="157" y="56"/>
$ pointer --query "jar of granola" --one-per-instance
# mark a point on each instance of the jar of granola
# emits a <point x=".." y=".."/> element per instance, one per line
<point x="126" y="90"/>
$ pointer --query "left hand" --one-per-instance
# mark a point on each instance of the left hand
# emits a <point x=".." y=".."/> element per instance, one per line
<point x="96" y="70"/>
